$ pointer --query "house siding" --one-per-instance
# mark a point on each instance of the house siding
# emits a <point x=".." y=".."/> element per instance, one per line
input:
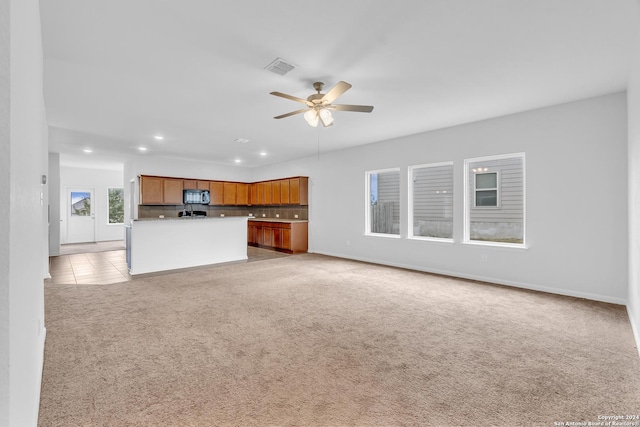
<point x="510" y="191"/>
<point x="433" y="193"/>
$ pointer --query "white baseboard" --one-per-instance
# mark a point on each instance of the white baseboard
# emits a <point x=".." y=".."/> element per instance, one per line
<point x="529" y="286"/>
<point x="634" y="328"/>
<point x="42" y="344"/>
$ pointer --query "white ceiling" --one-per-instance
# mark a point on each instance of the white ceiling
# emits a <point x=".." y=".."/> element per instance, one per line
<point x="118" y="72"/>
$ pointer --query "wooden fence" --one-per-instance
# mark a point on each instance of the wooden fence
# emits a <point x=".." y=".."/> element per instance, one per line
<point x="382" y="218"/>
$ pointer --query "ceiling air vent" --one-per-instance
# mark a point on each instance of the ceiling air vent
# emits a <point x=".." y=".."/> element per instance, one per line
<point x="280" y="66"/>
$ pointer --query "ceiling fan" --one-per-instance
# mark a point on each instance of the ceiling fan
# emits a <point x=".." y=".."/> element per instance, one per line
<point x="320" y="104"/>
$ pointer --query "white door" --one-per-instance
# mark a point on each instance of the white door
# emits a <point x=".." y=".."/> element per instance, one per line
<point x="81" y="225"/>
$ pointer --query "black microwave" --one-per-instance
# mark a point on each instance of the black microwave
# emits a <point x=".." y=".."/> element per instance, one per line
<point x="200" y="197"/>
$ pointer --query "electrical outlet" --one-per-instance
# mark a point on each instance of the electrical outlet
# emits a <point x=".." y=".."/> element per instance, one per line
<point x="277" y="215"/>
<point x="348" y="242"/>
<point x="263" y="215"/>
<point x="296" y="216"/>
<point x="484" y="258"/>
<point x="161" y="216"/>
<point x="221" y="215"/>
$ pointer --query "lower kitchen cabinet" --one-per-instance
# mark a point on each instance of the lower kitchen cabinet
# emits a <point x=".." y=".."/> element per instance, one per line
<point x="290" y="237"/>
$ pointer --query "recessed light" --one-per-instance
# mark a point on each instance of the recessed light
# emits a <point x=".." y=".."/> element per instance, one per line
<point x="88" y="150"/>
<point x="238" y="160"/>
<point x="159" y="137"/>
<point x="142" y="148"/>
<point x="262" y="153"/>
<point x="241" y="140"/>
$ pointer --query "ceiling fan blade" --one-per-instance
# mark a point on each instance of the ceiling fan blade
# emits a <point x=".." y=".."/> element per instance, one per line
<point x="291" y="113"/>
<point x="291" y="97"/>
<point x="358" y="108"/>
<point x="335" y="92"/>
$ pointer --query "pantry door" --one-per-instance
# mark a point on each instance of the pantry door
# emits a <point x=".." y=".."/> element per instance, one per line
<point x="81" y="227"/>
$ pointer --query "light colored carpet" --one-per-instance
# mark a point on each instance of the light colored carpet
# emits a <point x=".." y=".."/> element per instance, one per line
<point x="311" y="340"/>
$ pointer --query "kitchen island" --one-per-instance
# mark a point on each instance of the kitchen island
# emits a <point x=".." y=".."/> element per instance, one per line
<point x="170" y="244"/>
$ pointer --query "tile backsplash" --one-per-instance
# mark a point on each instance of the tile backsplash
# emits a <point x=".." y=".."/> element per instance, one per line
<point x="283" y="212"/>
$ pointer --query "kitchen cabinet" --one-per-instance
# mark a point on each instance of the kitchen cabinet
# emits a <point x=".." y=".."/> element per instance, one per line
<point x="172" y="191"/>
<point x="267" y="194"/>
<point x="267" y="236"/>
<point x="275" y="192"/>
<point x="290" y="237"/>
<point x="229" y="193"/>
<point x="156" y="190"/>
<point x="284" y="191"/>
<point x="216" y="192"/>
<point x="259" y="193"/>
<point x="253" y="194"/>
<point x="252" y="234"/>
<point x="242" y="194"/>
<point x="151" y="190"/>
<point x="299" y="191"/>
<point x="195" y="184"/>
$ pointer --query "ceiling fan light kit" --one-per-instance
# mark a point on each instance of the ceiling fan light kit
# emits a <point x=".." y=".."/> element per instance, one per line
<point x="319" y="104"/>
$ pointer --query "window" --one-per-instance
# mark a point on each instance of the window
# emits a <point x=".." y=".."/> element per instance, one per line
<point x="495" y="200"/>
<point x="383" y="202"/>
<point x="80" y="203"/>
<point x="431" y="201"/>
<point x="116" y="205"/>
<point x="486" y="189"/>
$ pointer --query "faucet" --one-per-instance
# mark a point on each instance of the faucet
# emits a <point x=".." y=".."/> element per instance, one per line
<point x="184" y="210"/>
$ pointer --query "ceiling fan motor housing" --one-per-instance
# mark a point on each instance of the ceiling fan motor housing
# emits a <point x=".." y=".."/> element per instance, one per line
<point x="316" y="98"/>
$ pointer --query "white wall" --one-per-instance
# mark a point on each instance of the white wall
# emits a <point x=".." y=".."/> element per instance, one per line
<point x="23" y="142"/>
<point x="179" y="168"/>
<point x="53" y="182"/>
<point x="5" y="209"/>
<point x="100" y="181"/>
<point x="576" y="189"/>
<point x="633" y="95"/>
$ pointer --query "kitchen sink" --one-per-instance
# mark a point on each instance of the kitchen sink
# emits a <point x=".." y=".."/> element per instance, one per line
<point x="196" y="214"/>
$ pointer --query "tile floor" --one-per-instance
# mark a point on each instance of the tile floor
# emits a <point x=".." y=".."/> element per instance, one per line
<point x="110" y="266"/>
<point x="94" y="268"/>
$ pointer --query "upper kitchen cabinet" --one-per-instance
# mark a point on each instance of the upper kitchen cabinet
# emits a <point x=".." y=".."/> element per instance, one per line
<point x="172" y="191"/>
<point x="216" y="192"/>
<point x="253" y="193"/>
<point x="242" y="194"/>
<point x="156" y="190"/>
<point x="275" y="193"/>
<point x="267" y="194"/>
<point x="284" y="192"/>
<point x="230" y="190"/>
<point x="299" y="190"/>
<point x="194" y="184"/>
<point x="151" y="190"/>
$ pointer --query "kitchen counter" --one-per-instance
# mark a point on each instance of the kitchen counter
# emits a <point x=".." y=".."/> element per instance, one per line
<point x="185" y="218"/>
<point x="158" y="244"/>
<point x="277" y="220"/>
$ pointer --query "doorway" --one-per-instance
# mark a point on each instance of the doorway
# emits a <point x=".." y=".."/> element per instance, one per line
<point x="81" y="226"/>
